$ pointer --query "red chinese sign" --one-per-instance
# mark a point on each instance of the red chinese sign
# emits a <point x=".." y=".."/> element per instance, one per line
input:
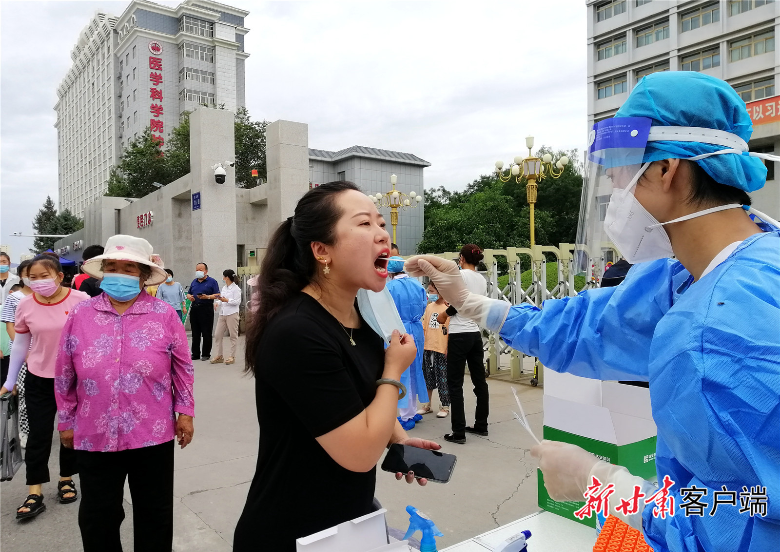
<point x="145" y="220"/>
<point x="764" y="111"/>
<point x="156" y="109"/>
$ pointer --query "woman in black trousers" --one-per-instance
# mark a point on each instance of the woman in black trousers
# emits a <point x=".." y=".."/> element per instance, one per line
<point x="465" y="346"/>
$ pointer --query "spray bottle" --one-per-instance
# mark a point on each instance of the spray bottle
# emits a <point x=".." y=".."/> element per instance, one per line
<point x="420" y="522"/>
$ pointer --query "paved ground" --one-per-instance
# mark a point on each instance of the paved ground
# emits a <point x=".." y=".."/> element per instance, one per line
<point x="494" y="481"/>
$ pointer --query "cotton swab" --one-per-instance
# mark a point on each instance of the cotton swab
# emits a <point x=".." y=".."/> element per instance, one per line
<point x="523" y="421"/>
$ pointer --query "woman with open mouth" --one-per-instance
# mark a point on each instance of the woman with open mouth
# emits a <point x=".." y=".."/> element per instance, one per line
<point x="327" y="390"/>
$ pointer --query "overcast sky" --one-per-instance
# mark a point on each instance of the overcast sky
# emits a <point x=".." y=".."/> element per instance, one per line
<point x="459" y="84"/>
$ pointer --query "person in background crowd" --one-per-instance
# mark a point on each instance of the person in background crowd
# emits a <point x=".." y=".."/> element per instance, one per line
<point x="122" y="372"/>
<point x="7" y="278"/>
<point x="436" y="326"/>
<point x="172" y="293"/>
<point x="7" y="318"/>
<point x="40" y="318"/>
<point x="394" y="251"/>
<point x="5" y="341"/>
<point x="84" y="282"/>
<point x="410" y="300"/>
<point x="152" y="290"/>
<point x="328" y="410"/>
<point x="229" y="301"/>
<point x="254" y="294"/>
<point x="465" y="346"/>
<point x="203" y="290"/>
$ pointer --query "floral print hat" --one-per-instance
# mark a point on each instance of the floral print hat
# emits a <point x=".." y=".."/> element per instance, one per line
<point x="128" y="248"/>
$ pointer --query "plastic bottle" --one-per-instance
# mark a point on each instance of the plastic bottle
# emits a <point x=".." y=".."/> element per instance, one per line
<point x="515" y="543"/>
<point x="420" y="522"/>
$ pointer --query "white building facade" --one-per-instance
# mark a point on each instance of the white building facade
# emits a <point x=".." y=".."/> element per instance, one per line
<point x="142" y="69"/>
<point x="731" y="40"/>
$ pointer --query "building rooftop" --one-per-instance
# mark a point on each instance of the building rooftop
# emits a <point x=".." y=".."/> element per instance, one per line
<point x="371" y="153"/>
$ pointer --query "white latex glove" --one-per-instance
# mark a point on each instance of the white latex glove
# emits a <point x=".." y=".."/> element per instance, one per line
<point x="566" y="469"/>
<point x="488" y="313"/>
<point x="624" y="484"/>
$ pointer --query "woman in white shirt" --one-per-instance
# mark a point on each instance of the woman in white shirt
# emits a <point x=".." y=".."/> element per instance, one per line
<point x="230" y="299"/>
<point x="465" y="346"/>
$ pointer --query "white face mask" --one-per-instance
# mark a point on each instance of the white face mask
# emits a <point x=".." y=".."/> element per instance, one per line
<point x="635" y="232"/>
<point x="380" y="313"/>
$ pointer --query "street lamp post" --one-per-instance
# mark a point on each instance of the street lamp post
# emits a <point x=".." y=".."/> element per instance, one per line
<point x="533" y="169"/>
<point x="395" y="200"/>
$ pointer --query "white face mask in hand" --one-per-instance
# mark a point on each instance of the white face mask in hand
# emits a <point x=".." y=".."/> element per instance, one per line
<point x="379" y="312"/>
<point x="635" y="232"/>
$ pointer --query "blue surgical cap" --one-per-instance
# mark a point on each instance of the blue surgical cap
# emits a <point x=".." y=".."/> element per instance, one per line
<point x="689" y="99"/>
<point x="395" y="265"/>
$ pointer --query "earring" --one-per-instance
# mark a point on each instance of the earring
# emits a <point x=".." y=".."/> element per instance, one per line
<point x="326" y="270"/>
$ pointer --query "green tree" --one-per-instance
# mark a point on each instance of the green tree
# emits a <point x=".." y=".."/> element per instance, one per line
<point x="496" y="215"/>
<point x="48" y="221"/>
<point x="250" y="149"/>
<point x="140" y="164"/>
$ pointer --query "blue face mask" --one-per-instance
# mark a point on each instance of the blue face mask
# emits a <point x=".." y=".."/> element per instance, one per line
<point x="380" y="313"/>
<point x="169" y="279"/>
<point x="433" y="297"/>
<point x="121" y="286"/>
<point x="4" y="269"/>
<point x="199" y="274"/>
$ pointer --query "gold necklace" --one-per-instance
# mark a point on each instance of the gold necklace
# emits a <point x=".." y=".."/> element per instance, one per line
<point x="349" y="334"/>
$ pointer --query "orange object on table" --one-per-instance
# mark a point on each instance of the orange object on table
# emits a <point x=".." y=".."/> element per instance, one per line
<point x="618" y="536"/>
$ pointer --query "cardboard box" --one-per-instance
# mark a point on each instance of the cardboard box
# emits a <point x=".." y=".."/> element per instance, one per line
<point x="611" y="420"/>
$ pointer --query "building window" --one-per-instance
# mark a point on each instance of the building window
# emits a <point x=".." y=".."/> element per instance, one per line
<point x="612" y="87"/>
<point x="197" y="96"/>
<point x="756" y="90"/>
<point x="127" y="58"/>
<point x="134" y="94"/>
<point x="608" y="9"/>
<point x="195" y="26"/>
<point x="603" y="202"/>
<point x="642" y="2"/>
<point x="613" y="47"/>
<point x="759" y="43"/>
<point x="649" y="70"/>
<point x="135" y="116"/>
<point x="737" y="7"/>
<point x="122" y="105"/>
<point x="187" y="73"/>
<point x="133" y="73"/>
<point x="700" y="17"/>
<point x="706" y="59"/>
<point x="342" y="176"/>
<point x="197" y="51"/>
<point x="652" y="33"/>
<point x="133" y="52"/>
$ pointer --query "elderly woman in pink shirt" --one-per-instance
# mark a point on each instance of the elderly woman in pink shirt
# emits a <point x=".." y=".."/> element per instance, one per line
<point x="123" y="373"/>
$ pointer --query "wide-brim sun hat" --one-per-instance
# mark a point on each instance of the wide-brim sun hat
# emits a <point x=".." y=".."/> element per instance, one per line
<point x="131" y="249"/>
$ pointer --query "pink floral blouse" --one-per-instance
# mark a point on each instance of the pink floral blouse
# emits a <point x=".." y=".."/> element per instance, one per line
<point x="119" y="379"/>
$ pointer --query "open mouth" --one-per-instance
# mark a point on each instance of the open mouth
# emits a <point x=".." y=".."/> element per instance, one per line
<point x="380" y="263"/>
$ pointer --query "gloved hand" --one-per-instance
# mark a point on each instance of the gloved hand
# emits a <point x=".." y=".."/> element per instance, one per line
<point x="444" y="273"/>
<point x="624" y="484"/>
<point x="488" y="313"/>
<point x="566" y="469"/>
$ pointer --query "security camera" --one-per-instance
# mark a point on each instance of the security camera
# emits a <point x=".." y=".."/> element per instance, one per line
<point x="219" y="174"/>
<point x="231" y="163"/>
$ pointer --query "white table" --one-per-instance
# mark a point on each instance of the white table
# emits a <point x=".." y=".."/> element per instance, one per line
<point x="549" y="533"/>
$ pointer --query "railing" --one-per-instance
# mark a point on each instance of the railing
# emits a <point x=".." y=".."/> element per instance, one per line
<point x="535" y="293"/>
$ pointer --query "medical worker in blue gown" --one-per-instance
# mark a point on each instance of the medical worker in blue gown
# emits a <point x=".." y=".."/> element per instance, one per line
<point x="703" y="329"/>
<point x="410" y="299"/>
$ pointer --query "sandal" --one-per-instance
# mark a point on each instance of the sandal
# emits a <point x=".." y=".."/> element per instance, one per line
<point x="229" y="360"/>
<point x="425" y="408"/>
<point x="217" y="360"/>
<point x="35" y="505"/>
<point x="67" y="487"/>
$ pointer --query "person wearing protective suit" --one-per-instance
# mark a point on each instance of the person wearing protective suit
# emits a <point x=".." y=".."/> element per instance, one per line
<point x="702" y="329"/>
<point x="410" y="299"/>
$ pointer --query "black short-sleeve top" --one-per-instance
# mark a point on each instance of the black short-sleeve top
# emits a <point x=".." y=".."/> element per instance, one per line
<point x="309" y="381"/>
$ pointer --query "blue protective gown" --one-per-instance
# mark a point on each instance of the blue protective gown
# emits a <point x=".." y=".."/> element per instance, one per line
<point x="410" y="300"/>
<point x="711" y="352"/>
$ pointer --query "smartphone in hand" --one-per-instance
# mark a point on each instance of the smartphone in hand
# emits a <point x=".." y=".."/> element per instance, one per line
<point x="429" y="464"/>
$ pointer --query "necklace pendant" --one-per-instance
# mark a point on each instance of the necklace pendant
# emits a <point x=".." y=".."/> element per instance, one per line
<point x="352" y="341"/>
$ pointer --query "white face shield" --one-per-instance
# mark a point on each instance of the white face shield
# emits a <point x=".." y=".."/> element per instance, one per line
<point x="612" y="222"/>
